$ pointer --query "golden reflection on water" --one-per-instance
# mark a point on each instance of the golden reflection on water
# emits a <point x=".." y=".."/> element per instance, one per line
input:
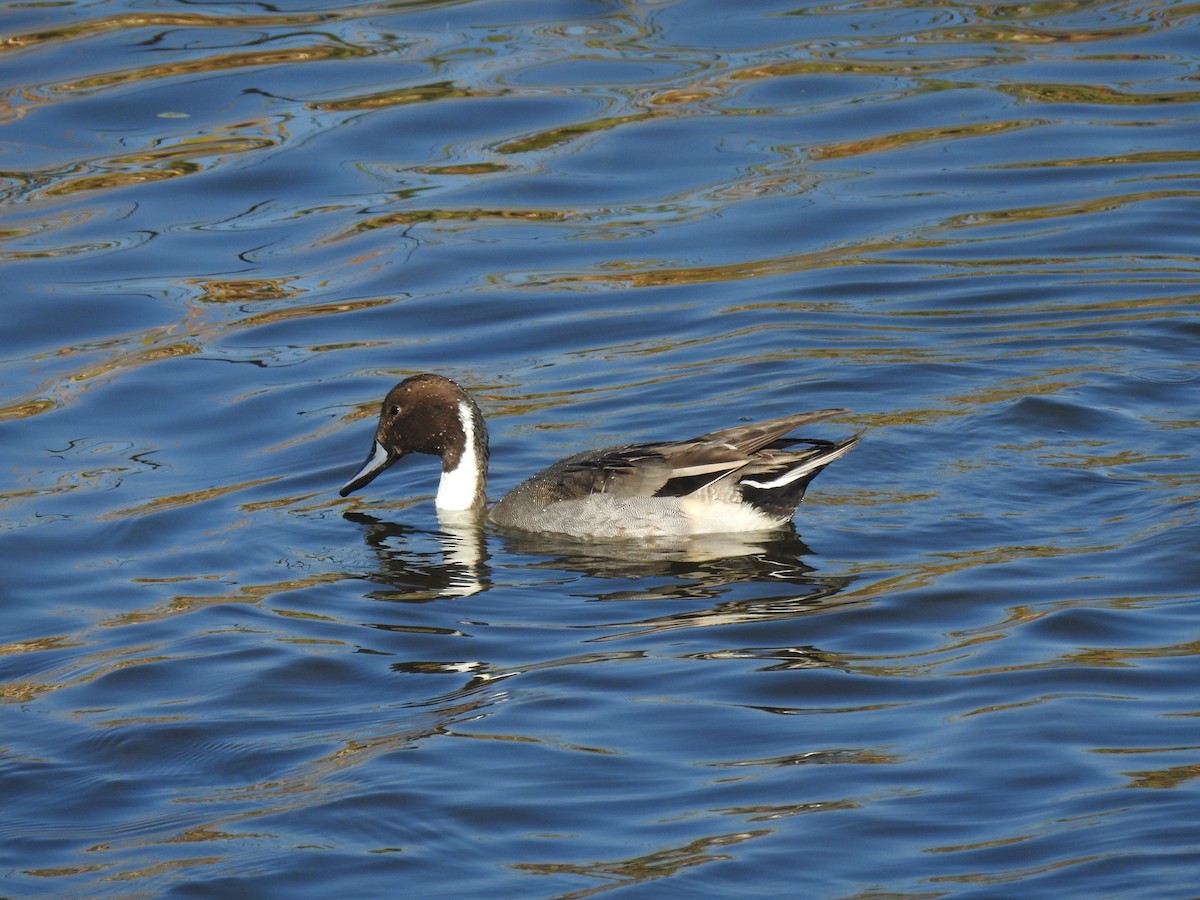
<point x="898" y="140"/>
<point x="1103" y="95"/>
<point x="133" y="21"/>
<point x="556" y="136"/>
<point x="189" y="498"/>
<point x="1164" y="779"/>
<point x="130" y="352"/>
<point x="87" y="667"/>
<point x="414" y="216"/>
<point x="421" y="93"/>
<point x="213" y="63"/>
<point x="238" y="592"/>
<point x="219" y="147"/>
<point x="26" y="408"/>
<point x="159" y="163"/>
<point x="244" y="290"/>
<point x="152" y="346"/>
<point x="648" y="867"/>
<point x="1132" y="157"/>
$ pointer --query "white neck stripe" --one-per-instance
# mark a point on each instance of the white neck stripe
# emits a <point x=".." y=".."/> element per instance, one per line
<point x="459" y="488"/>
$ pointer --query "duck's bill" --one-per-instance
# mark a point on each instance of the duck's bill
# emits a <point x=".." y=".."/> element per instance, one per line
<point x="378" y="459"/>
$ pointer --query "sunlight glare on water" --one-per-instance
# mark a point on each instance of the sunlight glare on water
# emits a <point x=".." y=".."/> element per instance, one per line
<point x="228" y="229"/>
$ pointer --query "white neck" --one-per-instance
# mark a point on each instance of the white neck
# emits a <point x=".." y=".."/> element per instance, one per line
<point x="461" y="488"/>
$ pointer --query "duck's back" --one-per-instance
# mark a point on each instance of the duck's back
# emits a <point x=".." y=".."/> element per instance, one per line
<point x="740" y="479"/>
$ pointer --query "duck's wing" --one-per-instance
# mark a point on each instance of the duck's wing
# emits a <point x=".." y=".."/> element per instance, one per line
<point x="749" y="439"/>
<point x="675" y="468"/>
<point x="636" y="470"/>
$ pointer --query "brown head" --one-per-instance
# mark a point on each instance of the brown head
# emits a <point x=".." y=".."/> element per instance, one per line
<point x="425" y="414"/>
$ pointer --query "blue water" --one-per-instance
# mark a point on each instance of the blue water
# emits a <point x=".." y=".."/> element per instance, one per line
<point x="970" y="670"/>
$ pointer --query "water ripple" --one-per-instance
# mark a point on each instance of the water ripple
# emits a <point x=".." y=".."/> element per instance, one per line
<point x="228" y="232"/>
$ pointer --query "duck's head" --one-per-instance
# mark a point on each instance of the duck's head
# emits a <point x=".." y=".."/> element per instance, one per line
<point x="423" y="414"/>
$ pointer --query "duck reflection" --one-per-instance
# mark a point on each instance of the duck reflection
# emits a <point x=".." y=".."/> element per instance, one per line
<point x="419" y="565"/>
<point x="716" y="589"/>
<point x="454" y="561"/>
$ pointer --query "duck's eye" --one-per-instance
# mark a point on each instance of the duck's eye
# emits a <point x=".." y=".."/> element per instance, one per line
<point x="394" y="411"/>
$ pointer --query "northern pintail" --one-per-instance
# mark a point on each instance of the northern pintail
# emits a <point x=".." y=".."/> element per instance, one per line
<point x="745" y="478"/>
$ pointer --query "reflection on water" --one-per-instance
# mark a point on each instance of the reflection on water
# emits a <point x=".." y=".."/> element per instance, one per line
<point x="694" y="568"/>
<point x="228" y="230"/>
<point x="414" y="574"/>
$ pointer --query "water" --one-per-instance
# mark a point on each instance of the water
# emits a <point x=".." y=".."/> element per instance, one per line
<point x="228" y="228"/>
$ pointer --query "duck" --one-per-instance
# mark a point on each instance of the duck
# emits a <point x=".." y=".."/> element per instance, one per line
<point x="746" y="478"/>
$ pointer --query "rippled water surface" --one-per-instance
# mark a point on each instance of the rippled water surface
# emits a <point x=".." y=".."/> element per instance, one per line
<point x="972" y="670"/>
